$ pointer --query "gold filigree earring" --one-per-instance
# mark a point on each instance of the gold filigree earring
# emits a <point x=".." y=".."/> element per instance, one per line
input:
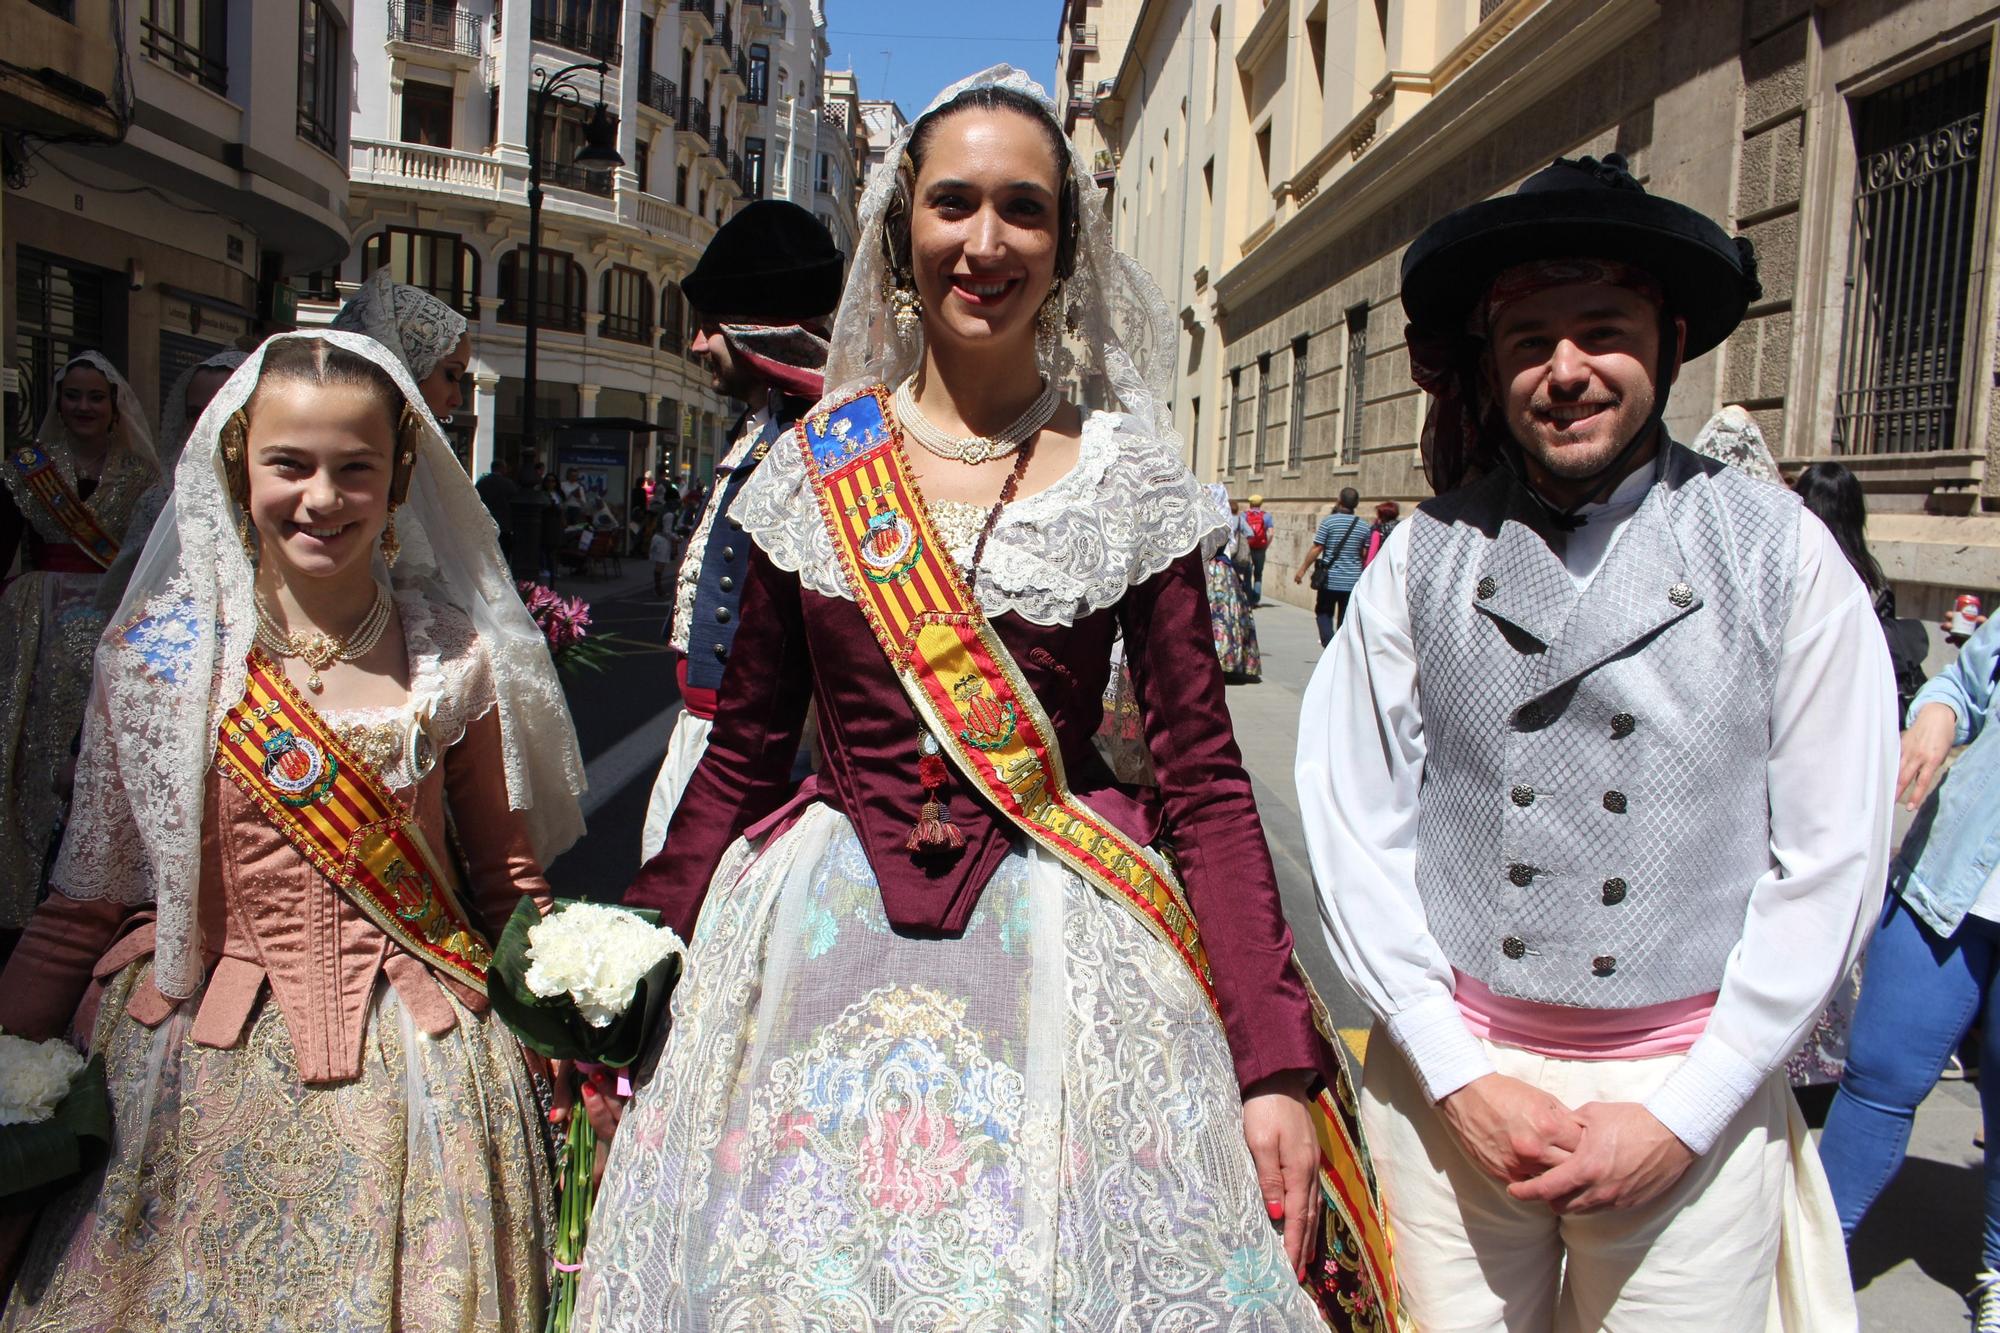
<point x="905" y="305"/>
<point x="392" y="548"/>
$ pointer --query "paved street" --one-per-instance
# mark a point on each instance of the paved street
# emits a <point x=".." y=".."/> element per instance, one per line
<point x="1918" y="1249"/>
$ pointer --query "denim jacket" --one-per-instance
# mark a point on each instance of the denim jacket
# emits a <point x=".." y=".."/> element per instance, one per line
<point x="1954" y="843"/>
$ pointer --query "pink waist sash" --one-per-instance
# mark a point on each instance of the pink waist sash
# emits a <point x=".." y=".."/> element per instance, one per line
<point x="1582" y="1034"/>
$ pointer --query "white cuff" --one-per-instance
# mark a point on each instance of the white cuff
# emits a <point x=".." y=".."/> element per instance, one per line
<point x="1440" y="1047"/>
<point x="1699" y="1099"/>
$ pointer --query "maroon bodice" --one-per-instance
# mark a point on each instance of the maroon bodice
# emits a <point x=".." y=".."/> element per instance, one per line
<point x="794" y="645"/>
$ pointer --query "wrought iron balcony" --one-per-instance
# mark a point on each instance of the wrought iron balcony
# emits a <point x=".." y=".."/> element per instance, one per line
<point x="723" y="36"/>
<point x="572" y="177"/>
<point x="719" y="148"/>
<point x="1082" y="37"/>
<point x="704" y="9"/>
<point x="694" y="118"/>
<point x="441" y="27"/>
<point x="582" y="38"/>
<point x="658" y="92"/>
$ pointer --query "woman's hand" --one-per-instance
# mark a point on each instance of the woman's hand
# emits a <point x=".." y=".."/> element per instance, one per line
<point x="1277" y="1123"/>
<point x="601" y="1102"/>
<point x="1925" y="746"/>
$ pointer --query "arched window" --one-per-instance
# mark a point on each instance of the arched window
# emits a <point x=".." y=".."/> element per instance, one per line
<point x="627" y="302"/>
<point x="436" y="261"/>
<point x="673" y="318"/>
<point x="559" y="291"/>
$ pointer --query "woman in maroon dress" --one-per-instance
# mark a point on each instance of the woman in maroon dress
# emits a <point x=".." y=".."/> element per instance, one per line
<point x="911" y="1084"/>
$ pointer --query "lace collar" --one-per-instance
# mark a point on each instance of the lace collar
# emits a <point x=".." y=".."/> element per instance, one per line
<point x="449" y="686"/>
<point x="1127" y="510"/>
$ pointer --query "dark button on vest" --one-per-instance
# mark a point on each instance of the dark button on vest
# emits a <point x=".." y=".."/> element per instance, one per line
<point x="1523" y="795"/>
<point x="1520" y="876"/>
<point x="1614" y="801"/>
<point x="1603" y="965"/>
<point x="1623" y="725"/>
<point x="1514" y="947"/>
<point x="1487" y="587"/>
<point x="1530" y="717"/>
<point x="718" y="589"/>
<point x="1614" y="891"/>
<point x="728" y="584"/>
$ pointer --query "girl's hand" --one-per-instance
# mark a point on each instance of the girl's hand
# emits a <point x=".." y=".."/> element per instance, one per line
<point x="1277" y="1124"/>
<point x="1925" y="745"/>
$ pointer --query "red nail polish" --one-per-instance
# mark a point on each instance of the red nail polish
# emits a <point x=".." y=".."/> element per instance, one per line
<point x="1276" y="1210"/>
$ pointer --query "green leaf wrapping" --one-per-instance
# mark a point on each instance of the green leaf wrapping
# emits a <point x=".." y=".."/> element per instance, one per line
<point x="44" y="1154"/>
<point x="552" y="1027"/>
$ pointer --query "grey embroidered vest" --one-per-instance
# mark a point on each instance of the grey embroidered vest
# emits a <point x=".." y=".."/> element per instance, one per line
<point x="1594" y="808"/>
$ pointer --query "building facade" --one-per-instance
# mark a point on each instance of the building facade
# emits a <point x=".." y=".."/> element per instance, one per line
<point x="167" y="169"/>
<point x="445" y="97"/>
<point x="1313" y="141"/>
<point x="1091" y="37"/>
<point x="796" y="123"/>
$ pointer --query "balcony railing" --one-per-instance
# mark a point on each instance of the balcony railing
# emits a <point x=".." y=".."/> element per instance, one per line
<point x="169" y="48"/>
<point x="1082" y="37"/>
<point x="724" y="154"/>
<point x="1082" y="97"/>
<point x="572" y="177"/>
<point x="659" y="92"/>
<point x="750" y="176"/>
<point x="579" y="37"/>
<point x="694" y="118"/>
<point x="723" y="37"/>
<point x="441" y="27"/>
<point x="414" y="165"/>
<point x="704" y="8"/>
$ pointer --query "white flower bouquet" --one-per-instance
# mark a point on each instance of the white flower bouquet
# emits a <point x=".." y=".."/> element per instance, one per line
<point x="54" y="1115"/>
<point x="587" y="983"/>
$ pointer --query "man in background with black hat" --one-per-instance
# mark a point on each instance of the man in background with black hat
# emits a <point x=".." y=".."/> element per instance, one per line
<point x="1595" y="780"/>
<point x="763" y="295"/>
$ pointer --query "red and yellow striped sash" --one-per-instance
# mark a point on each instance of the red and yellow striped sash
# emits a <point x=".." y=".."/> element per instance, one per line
<point x="971" y="696"/>
<point x="341" y="817"/>
<point x="41" y="479"/>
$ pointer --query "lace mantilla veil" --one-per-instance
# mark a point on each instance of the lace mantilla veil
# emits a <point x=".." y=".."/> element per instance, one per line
<point x="1129" y="509"/>
<point x="137" y="436"/>
<point x="174" y="423"/>
<point x="407" y="320"/>
<point x="172" y="662"/>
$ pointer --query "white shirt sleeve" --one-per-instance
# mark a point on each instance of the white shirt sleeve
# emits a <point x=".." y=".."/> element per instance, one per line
<point x="1831" y="764"/>
<point x="1360" y="767"/>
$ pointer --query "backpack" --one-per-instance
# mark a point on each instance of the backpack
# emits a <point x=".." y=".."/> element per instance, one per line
<point x="1260" y="529"/>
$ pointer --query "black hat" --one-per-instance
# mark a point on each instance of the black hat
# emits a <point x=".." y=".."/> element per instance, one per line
<point x="1582" y="209"/>
<point x="772" y="261"/>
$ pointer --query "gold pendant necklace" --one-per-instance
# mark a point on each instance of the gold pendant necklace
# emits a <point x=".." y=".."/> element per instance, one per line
<point x="320" y="650"/>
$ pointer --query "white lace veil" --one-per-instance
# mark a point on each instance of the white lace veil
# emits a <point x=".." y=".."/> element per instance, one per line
<point x="131" y="430"/>
<point x="172" y="661"/>
<point x="174" y="423"/>
<point x="1731" y="436"/>
<point x="420" y="329"/>
<point x="1121" y="329"/>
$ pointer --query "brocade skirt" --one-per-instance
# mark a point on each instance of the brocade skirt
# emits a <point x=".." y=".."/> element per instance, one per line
<point x="1235" y="629"/>
<point x="414" y="1197"/>
<point x="1033" y="1124"/>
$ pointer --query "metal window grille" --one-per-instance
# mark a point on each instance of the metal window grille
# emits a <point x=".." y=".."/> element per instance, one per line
<point x="1263" y="413"/>
<point x="320" y="68"/>
<point x="188" y="37"/>
<point x="1233" y="420"/>
<point x="58" y="312"/>
<point x="1357" y="383"/>
<point x="1910" y="261"/>
<point x="1295" y="426"/>
<point x="588" y="27"/>
<point x="442" y="27"/>
<point x="558" y="292"/>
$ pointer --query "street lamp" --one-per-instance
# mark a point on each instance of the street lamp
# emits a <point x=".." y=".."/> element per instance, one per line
<point x="599" y="150"/>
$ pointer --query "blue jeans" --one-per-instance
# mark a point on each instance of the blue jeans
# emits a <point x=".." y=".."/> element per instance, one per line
<point x="1919" y="996"/>
<point x="1257" y="554"/>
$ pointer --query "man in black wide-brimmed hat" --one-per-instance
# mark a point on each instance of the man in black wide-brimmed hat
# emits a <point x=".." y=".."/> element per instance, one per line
<point x="1595" y="783"/>
<point x="762" y="296"/>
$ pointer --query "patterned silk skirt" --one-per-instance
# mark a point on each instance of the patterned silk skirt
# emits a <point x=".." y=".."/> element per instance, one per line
<point x="1235" y="629"/>
<point x="1031" y="1125"/>
<point x="237" y="1197"/>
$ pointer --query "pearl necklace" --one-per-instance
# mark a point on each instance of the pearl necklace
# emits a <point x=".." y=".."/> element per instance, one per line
<point x="320" y="650"/>
<point x="975" y="448"/>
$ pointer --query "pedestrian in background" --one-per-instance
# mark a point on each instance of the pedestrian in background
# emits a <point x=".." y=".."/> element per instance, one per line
<point x="1386" y="515"/>
<point x="1834" y="494"/>
<point x="1934" y="959"/>
<point x="1229" y="602"/>
<point x="497" y="492"/>
<point x="1335" y="562"/>
<point x="1257" y="534"/>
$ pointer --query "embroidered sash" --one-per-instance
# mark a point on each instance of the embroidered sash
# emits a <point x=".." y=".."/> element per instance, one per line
<point x="341" y="817"/>
<point x="40" y="478"/>
<point x="971" y="696"/>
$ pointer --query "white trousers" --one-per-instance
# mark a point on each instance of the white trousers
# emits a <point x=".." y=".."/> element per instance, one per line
<point x="1746" y="1241"/>
<point x="684" y="750"/>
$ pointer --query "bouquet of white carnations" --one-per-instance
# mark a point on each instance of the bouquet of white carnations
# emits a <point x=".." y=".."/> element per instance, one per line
<point x="54" y="1111"/>
<point x="587" y="983"/>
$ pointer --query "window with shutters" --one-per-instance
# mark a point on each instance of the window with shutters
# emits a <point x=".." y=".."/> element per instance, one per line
<point x="436" y="261"/>
<point x="1295" y="424"/>
<point x="1357" y="384"/>
<point x="628" y="305"/>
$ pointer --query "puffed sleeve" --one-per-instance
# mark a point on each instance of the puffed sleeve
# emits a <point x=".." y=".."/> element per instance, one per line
<point x="493" y="837"/>
<point x="1212" y="821"/>
<point x="747" y="771"/>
